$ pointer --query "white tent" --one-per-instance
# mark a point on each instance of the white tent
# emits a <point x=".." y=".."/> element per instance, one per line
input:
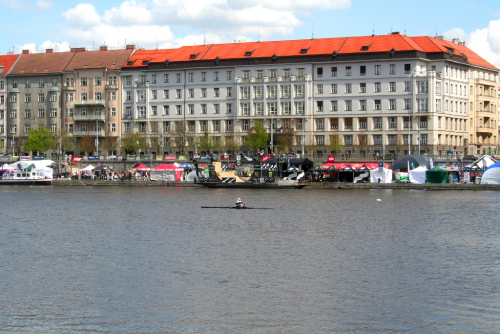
<point x="385" y="175"/>
<point x="41" y="165"/>
<point x="88" y="168"/>
<point x="417" y="175"/>
<point x="491" y="175"/>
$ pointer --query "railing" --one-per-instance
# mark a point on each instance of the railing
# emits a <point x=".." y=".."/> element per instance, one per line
<point x="90" y="118"/>
<point x="89" y="102"/>
<point x="90" y="133"/>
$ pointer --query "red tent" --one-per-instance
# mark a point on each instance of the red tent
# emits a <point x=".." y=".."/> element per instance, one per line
<point x="166" y="172"/>
<point x="142" y="168"/>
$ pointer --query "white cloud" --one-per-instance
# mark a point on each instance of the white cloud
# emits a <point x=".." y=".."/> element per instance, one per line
<point x="22" y="5"/>
<point x="83" y="16"/>
<point x="129" y="12"/>
<point x="42" y="4"/>
<point x="148" y="23"/>
<point x="485" y="42"/>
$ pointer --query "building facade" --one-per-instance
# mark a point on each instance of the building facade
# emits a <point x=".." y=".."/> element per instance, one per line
<point x="386" y="94"/>
<point x="92" y="100"/>
<point x="6" y="63"/>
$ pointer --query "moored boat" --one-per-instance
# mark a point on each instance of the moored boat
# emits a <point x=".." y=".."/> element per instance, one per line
<point x="24" y="177"/>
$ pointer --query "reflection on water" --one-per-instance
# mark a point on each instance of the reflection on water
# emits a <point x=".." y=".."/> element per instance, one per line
<point x="150" y="260"/>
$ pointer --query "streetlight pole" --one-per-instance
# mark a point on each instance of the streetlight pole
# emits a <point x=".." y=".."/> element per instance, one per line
<point x="97" y="137"/>
<point x="272" y="140"/>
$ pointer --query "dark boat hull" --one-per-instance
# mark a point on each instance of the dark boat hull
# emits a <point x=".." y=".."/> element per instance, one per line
<point x="248" y="185"/>
<point x="47" y="182"/>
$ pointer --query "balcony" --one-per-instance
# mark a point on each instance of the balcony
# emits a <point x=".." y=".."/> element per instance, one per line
<point x="488" y="130"/>
<point x="72" y="88"/>
<point x="111" y="86"/>
<point x="89" y="133"/>
<point x="90" y="118"/>
<point x="90" y="102"/>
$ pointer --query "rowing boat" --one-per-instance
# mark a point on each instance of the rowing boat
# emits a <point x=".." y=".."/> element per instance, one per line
<point x="233" y="207"/>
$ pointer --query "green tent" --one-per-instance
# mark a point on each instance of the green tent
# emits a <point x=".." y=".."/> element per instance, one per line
<point x="436" y="175"/>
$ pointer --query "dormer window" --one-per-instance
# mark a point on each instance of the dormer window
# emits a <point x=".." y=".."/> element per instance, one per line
<point x="249" y="53"/>
<point x="194" y="55"/>
<point x="365" y="47"/>
<point x="304" y="51"/>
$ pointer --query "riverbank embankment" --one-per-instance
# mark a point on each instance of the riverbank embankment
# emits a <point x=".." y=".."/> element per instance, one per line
<point x="310" y="185"/>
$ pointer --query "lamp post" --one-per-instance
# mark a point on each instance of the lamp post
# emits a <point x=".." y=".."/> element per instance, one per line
<point x="272" y="140"/>
<point x="97" y="137"/>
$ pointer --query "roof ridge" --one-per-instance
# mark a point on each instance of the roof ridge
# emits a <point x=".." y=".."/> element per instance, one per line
<point x="206" y="51"/>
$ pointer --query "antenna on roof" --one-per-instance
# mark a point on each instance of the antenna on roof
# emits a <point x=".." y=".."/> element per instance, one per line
<point x="156" y="42"/>
<point x="204" y="37"/>
<point x="312" y="36"/>
<point x="259" y="36"/>
<point x="373" y="31"/>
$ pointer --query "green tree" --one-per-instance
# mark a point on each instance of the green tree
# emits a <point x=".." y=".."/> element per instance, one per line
<point x="207" y="142"/>
<point x="39" y="140"/>
<point x="133" y="142"/>
<point x="67" y="142"/>
<point x="257" y="137"/>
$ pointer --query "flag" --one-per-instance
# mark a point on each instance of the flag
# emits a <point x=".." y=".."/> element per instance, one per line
<point x="279" y="130"/>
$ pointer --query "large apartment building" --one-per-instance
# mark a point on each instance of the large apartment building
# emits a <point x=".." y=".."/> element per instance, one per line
<point x="387" y="94"/>
<point x="92" y="96"/>
<point x="76" y="92"/>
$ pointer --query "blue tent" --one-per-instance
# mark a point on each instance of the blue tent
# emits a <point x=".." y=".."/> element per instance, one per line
<point x="492" y="174"/>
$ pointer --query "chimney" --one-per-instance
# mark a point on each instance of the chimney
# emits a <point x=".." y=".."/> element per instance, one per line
<point x="455" y="41"/>
<point x="78" y="49"/>
<point x="130" y="47"/>
<point x="49" y="51"/>
<point x="439" y="37"/>
<point x="26" y="52"/>
<point x="103" y="48"/>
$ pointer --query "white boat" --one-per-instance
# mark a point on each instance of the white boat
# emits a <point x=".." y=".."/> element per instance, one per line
<point x="27" y="176"/>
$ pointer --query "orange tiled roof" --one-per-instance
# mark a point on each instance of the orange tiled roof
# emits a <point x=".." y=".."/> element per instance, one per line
<point x="306" y="47"/>
<point x="42" y="63"/>
<point x="7" y="61"/>
<point x="111" y="59"/>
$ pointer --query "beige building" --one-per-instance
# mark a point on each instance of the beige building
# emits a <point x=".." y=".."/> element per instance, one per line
<point x="483" y="108"/>
<point x="92" y="97"/>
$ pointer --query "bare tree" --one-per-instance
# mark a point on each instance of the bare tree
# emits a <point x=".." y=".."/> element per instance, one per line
<point x="362" y="143"/>
<point x="87" y="144"/>
<point x="336" y="142"/>
<point x="109" y="144"/>
<point x="286" y="137"/>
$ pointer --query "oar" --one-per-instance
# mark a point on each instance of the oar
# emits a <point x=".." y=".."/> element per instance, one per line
<point x="233" y="207"/>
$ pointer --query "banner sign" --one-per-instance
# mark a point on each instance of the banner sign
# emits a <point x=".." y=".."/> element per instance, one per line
<point x="331" y="158"/>
<point x="38" y="157"/>
<point x="159" y="157"/>
<point x="265" y="157"/>
<point x="27" y="157"/>
<point x="170" y="157"/>
<point x="76" y="158"/>
<point x="93" y="157"/>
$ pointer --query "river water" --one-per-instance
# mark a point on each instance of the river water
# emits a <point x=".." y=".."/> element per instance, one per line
<point x="150" y="260"/>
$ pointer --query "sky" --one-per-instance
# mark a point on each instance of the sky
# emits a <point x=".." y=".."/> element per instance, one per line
<point x="41" y="24"/>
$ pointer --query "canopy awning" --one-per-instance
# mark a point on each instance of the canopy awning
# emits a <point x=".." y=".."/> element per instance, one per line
<point x="141" y="168"/>
<point x="357" y="165"/>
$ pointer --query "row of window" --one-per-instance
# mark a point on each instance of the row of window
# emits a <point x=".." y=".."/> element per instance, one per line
<point x="83" y="127"/>
<point x="363" y="140"/>
<point x="143" y="79"/>
<point x="27" y="128"/>
<point x="377" y="70"/>
<point x="29" y="114"/>
<point x="84" y="82"/>
<point x="27" y="83"/>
